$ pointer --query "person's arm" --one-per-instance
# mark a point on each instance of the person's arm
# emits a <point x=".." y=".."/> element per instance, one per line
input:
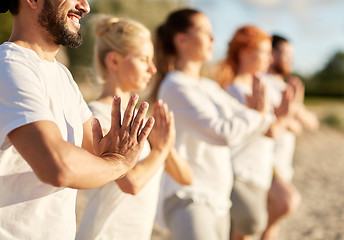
<point x="161" y="140"/>
<point x="307" y="119"/>
<point x="178" y="168"/>
<point x="63" y="164"/>
<point x="201" y="118"/>
<point x="295" y="127"/>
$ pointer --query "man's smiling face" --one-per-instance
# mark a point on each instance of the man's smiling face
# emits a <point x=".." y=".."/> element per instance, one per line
<point x="60" y="18"/>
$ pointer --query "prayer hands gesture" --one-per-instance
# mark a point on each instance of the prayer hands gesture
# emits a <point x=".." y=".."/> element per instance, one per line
<point x="258" y="99"/>
<point x="163" y="134"/>
<point x="285" y="108"/>
<point x="298" y="88"/>
<point x="126" y="139"/>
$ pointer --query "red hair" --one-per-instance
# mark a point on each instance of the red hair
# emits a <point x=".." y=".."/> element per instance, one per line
<point x="246" y="37"/>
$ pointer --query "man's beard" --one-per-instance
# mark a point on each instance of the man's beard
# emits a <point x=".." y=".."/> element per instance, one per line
<point x="54" y="24"/>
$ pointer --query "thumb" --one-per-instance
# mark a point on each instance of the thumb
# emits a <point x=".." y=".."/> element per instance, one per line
<point x="97" y="133"/>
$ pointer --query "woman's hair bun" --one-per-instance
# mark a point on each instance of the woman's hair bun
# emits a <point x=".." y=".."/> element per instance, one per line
<point x="103" y="25"/>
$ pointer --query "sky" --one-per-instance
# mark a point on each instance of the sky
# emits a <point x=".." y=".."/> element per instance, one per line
<point x="315" y="27"/>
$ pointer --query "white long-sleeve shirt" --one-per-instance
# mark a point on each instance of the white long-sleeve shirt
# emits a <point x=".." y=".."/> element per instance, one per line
<point x="208" y="121"/>
<point x="252" y="159"/>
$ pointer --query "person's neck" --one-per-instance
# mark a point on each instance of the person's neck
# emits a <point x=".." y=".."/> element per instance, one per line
<point x="34" y="40"/>
<point x="244" y="75"/>
<point x="244" y="78"/>
<point x="275" y="74"/>
<point x="189" y="68"/>
<point x="111" y="89"/>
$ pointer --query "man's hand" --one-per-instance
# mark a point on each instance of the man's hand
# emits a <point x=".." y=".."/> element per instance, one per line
<point x="298" y="88"/>
<point x="126" y="139"/>
<point x="285" y="109"/>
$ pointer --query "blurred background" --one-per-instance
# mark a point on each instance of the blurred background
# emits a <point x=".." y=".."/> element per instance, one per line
<point x="316" y="29"/>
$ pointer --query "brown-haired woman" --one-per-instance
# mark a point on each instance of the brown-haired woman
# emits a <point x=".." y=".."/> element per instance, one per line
<point x="208" y="121"/>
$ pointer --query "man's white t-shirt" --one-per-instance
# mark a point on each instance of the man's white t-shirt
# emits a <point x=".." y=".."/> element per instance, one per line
<point x="285" y="144"/>
<point x="112" y="214"/>
<point x="33" y="90"/>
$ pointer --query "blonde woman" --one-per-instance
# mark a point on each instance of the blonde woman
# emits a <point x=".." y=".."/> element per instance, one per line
<point x="123" y="58"/>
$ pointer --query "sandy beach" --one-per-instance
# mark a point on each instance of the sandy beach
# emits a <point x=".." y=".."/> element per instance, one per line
<point x="319" y="171"/>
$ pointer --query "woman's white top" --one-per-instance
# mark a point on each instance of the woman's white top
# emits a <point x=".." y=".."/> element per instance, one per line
<point x="252" y="159"/>
<point x="208" y="121"/>
<point x="285" y="144"/>
<point x="113" y="214"/>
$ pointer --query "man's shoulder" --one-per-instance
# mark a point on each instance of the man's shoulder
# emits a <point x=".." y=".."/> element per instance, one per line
<point x="11" y="53"/>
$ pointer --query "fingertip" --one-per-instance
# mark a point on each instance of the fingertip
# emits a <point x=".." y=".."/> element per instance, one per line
<point x="145" y="105"/>
<point x="134" y="96"/>
<point x="171" y="114"/>
<point x="116" y="102"/>
<point x="94" y="122"/>
<point x="151" y="121"/>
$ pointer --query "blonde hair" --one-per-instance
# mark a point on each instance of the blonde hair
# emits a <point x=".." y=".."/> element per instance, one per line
<point x="116" y="34"/>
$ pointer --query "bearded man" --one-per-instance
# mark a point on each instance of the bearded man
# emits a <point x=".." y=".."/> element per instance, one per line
<point x="46" y="145"/>
<point x="283" y="197"/>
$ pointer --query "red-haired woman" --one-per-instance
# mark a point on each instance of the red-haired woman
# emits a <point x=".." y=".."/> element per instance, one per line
<point x="249" y="56"/>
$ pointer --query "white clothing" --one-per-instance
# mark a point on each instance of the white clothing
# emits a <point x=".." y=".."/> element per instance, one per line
<point x="33" y="90"/>
<point x="285" y="144"/>
<point x="207" y="121"/>
<point x="284" y="155"/>
<point x="252" y="159"/>
<point x="113" y="214"/>
<point x="188" y="220"/>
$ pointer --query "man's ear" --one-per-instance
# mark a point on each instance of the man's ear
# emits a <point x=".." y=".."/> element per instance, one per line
<point x="34" y="4"/>
<point x="112" y="60"/>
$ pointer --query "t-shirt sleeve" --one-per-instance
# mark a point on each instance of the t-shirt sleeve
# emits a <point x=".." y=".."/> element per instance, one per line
<point x="22" y="98"/>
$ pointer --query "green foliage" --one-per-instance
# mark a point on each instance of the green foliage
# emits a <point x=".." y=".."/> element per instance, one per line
<point x="334" y="120"/>
<point x="6" y="22"/>
<point x="330" y="80"/>
<point x="333" y="88"/>
<point x="334" y="69"/>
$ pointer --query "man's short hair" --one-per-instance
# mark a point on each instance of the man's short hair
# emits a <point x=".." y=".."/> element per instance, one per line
<point x="9" y="5"/>
<point x="277" y="40"/>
